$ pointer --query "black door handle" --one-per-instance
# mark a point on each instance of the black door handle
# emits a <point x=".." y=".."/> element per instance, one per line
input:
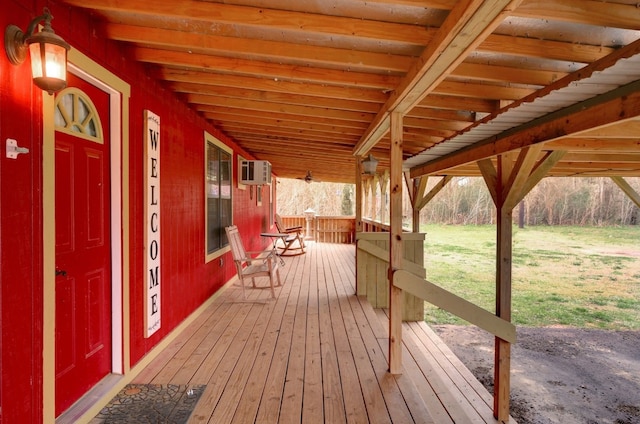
<point x="61" y="272"/>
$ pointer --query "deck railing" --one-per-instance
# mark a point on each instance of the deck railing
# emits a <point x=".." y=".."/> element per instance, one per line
<point x="325" y="229"/>
<point x="371" y="226"/>
<point x="372" y="260"/>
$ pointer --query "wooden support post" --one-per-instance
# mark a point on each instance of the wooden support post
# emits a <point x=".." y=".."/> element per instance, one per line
<point x="502" y="365"/>
<point x="384" y="188"/>
<point x="395" y="244"/>
<point x="366" y="183"/>
<point x="415" y="187"/>
<point x="358" y="210"/>
<point x="415" y="226"/>
<point x="374" y="189"/>
<point x="516" y="175"/>
<point x="358" y="194"/>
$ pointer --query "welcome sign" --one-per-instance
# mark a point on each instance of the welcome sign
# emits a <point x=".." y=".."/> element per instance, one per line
<point x="152" y="223"/>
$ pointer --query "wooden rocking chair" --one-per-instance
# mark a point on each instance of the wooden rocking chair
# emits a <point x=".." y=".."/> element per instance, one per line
<point x="294" y="236"/>
<point x="264" y="264"/>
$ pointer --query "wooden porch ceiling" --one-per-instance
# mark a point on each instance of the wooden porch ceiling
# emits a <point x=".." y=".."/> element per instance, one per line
<point x="305" y="85"/>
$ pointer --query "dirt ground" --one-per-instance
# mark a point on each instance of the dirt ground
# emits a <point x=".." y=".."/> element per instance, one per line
<point x="560" y="375"/>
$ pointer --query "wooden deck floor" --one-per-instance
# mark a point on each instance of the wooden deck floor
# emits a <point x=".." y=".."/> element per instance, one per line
<point x="315" y="354"/>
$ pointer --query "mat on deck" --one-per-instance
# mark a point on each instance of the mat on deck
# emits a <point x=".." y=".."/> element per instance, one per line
<point x="151" y="403"/>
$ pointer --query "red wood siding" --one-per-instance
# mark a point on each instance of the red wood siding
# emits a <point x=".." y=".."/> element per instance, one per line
<point x="20" y="238"/>
<point x="186" y="280"/>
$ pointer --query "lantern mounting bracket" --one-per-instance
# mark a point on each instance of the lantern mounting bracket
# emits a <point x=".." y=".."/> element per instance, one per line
<point x="15" y="41"/>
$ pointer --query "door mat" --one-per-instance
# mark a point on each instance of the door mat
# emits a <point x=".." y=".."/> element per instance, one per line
<point x="151" y="403"/>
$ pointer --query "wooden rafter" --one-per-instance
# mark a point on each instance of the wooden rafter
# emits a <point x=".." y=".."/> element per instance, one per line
<point x="468" y="23"/>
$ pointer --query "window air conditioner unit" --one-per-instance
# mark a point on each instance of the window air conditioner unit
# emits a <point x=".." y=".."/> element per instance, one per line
<point x="255" y="172"/>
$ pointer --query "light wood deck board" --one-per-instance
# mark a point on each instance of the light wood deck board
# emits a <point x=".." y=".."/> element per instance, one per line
<point x="371" y="391"/>
<point x="160" y="362"/>
<point x="291" y="408"/>
<point x="269" y="408"/>
<point x="249" y="398"/>
<point x="355" y="407"/>
<point x="315" y="354"/>
<point x="334" y="404"/>
<point x="312" y="405"/>
<point x="476" y="408"/>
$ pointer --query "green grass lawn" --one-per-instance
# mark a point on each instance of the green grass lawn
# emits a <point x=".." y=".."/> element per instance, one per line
<point x="572" y="276"/>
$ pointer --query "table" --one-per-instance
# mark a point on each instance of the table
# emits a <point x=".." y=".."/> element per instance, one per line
<point x="274" y="240"/>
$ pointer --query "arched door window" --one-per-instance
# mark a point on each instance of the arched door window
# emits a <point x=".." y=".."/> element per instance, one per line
<point x="76" y="114"/>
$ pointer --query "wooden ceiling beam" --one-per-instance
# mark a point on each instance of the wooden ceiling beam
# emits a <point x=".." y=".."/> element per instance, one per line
<point x="614" y="15"/>
<point x="482" y="91"/>
<point x="436" y="124"/>
<point x="589" y="12"/>
<point x="428" y="132"/>
<point x="278" y="108"/>
<point x="291" y="143"/>
<point x="583" y="166"/>
<point x="281" y="20"/>
<point x="269" y="134"/>
<point x="543" y="49"/>
<point x="578" y="144"/>
<point x="629" y="130"/>
<point x="442" y="114"/>
<point x="211" y="112"/>
<point x="602" y="157"/>
<point x="506" y="74"/>
<point x="459" y="103"/>
<point x="257" y="97"/>
<point x="601" y="173"/>
<point x="274" y="71"/>
<point x="200" y="82"/>
<point x="274" y="135"/>
<point x="264" y="50"/>
<point x="240" y="120"/>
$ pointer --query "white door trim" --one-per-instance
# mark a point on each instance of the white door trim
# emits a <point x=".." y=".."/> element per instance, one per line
<point x="119" y="93"/>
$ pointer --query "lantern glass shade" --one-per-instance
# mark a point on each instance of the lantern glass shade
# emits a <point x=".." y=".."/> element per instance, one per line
<point x="369" y="165"/>
<point x="48" y="64"/>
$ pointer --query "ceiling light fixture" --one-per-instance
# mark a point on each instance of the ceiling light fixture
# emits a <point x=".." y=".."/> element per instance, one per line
<point x="369" y="165"/>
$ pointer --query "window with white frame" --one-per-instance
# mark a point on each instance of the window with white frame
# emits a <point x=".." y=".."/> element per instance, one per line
<point x="218" y="196"/>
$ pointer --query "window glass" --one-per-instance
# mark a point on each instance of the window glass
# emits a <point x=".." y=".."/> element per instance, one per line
<point x="218" y="207"/>
<point x="76" y="114"/>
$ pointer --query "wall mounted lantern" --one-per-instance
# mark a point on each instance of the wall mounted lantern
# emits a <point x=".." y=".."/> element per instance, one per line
<point x="369" y="165"/>
<point x="48" y="52"/>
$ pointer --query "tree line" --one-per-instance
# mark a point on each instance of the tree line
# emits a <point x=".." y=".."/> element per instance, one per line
<point x="554" y="201"/>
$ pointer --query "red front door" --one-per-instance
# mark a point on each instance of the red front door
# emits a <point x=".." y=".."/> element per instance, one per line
<point x="83" y="243"/>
